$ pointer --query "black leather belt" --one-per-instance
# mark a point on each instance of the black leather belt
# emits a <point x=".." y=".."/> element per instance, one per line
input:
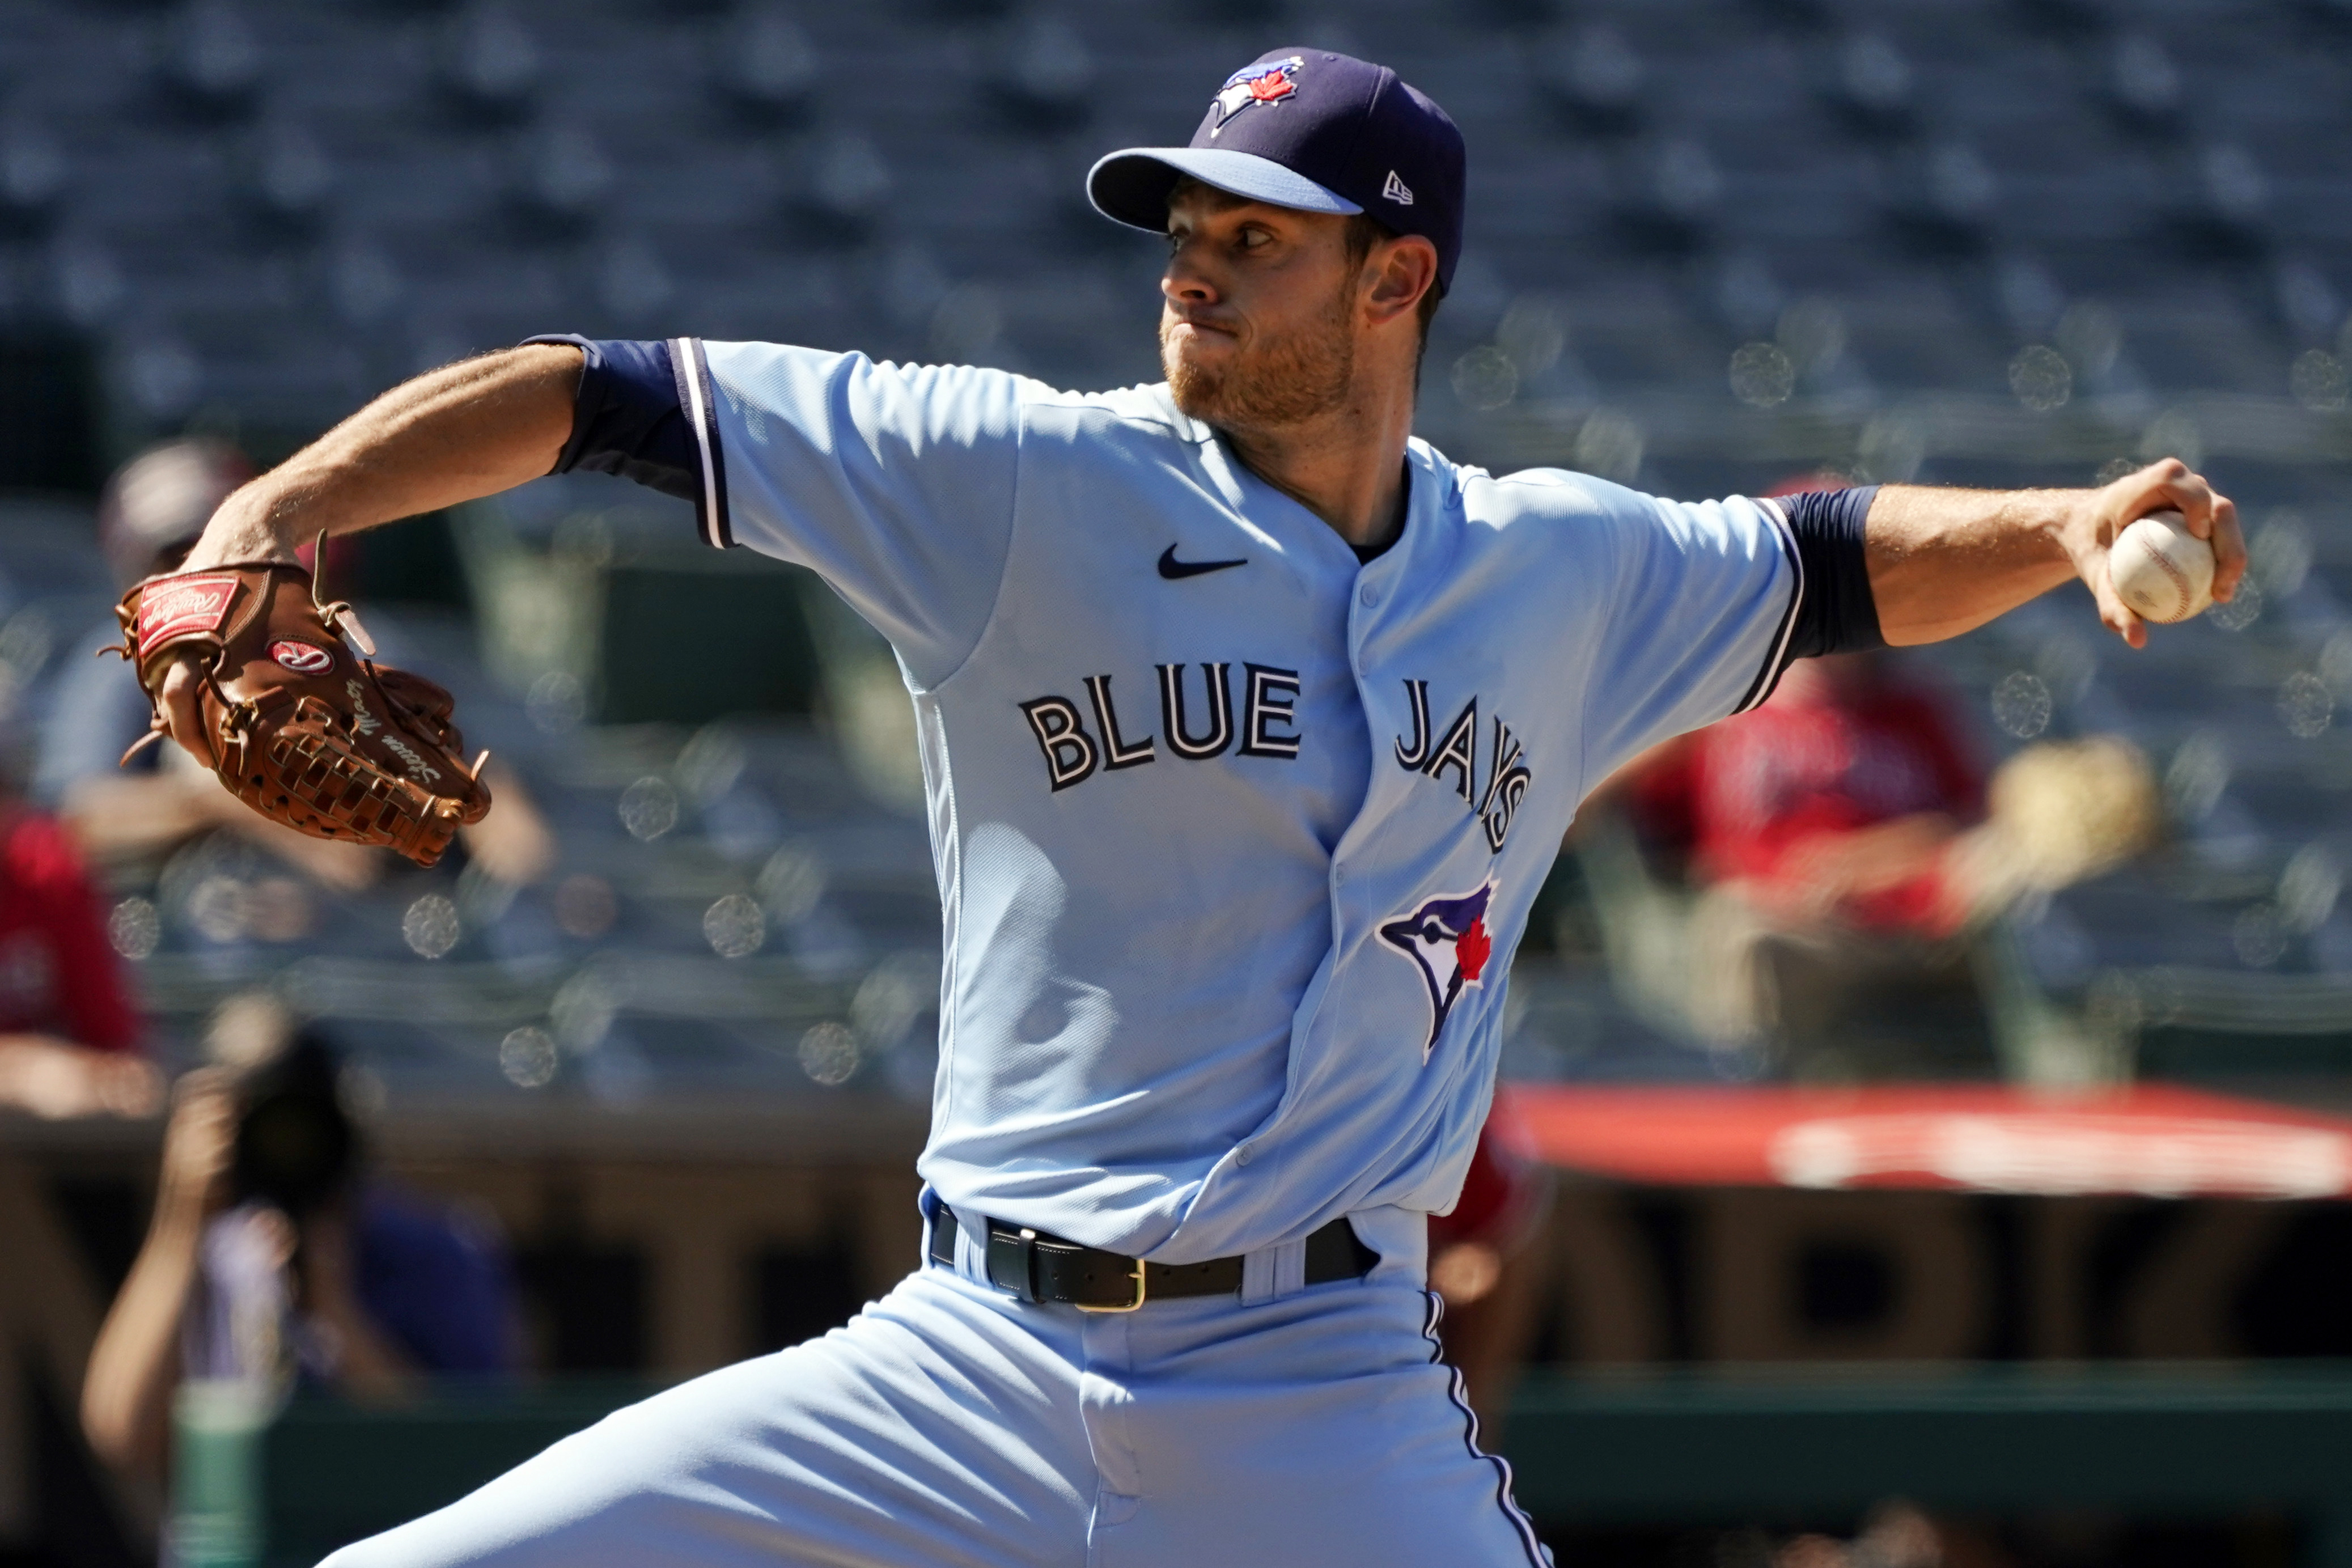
<point x="1035" y="1266"/>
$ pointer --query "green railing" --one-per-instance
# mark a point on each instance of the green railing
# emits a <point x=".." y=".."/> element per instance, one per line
<point x="1765" y="1445"/>
<point x="267" y="1485"/>
<point x="262" y="1483"/>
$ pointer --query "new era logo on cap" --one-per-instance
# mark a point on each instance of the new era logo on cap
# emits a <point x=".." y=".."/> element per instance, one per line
<point x="1315" y="131"/>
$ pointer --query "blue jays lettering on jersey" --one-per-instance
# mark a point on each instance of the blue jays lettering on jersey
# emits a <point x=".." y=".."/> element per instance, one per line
<point x="1235" y="832"/>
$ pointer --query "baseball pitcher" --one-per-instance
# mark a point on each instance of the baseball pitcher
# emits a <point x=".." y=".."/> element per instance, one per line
<point x="1250" y="725"/>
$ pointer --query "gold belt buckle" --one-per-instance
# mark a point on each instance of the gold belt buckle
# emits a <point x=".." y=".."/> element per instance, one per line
<point x="1127" y="1307"/>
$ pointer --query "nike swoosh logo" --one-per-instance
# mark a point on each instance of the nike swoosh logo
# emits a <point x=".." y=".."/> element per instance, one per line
<point x="1174" y="570"/>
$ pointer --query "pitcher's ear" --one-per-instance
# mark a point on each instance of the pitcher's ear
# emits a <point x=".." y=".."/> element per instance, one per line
<point x="1408" y="270"/>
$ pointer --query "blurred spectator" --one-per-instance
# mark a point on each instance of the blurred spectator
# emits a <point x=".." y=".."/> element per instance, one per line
<point x="1481" y="1264"/>
<point x="149" y="515"/>
<point x="272" y="1255"/>
<point x="1835" y="799"/>
<point x="151" y="512"/>
<point x="1844" y="841"/>
<point x="69" y="1033"/>
<point x="1897" y="1535"/>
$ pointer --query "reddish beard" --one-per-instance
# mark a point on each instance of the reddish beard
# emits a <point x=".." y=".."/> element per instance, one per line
<point x="1269" y="381"/>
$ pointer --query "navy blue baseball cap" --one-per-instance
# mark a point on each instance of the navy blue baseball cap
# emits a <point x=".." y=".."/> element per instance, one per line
<point x="1314" y="130"/>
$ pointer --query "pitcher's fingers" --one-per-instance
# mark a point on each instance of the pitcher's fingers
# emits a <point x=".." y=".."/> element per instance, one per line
<point x="2113" y="613"/>
<point x="183" y="711"/>
<point x="2229" y="548"/>
<point x="2172" y="483"/>
<point x="2135" y="489"/>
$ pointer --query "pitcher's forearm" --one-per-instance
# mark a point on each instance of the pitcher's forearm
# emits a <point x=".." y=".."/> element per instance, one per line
<point x="1944" y="561"/>
<point x="456" y="434"/>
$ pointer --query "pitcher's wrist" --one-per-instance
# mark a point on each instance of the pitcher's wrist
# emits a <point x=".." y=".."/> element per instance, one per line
<point x="246" y="529"/>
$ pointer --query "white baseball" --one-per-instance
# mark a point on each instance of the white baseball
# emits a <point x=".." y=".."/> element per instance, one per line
<point x="2161" y="570"/>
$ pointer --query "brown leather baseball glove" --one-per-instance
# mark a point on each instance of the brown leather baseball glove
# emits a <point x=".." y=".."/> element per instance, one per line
<point x="302" y="730"/>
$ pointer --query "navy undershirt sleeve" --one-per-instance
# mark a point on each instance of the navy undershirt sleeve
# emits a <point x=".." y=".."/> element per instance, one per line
<point x="1836" y="612"/>
<point x="628" y="418"/>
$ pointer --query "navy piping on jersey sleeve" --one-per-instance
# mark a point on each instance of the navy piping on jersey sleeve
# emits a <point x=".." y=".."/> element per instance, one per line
<point x="646" y="411"/>
<point x="1831" y="609"/>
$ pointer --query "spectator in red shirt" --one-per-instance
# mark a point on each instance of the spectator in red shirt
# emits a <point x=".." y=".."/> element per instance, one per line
<point x="68" y="1031"/>
<point x="1848" y="848"/>
<point x="1839" y="799"/>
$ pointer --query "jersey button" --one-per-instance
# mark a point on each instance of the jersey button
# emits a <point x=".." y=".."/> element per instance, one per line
<point x="1242" y="1154"/>
<point x="1369" y="596"/>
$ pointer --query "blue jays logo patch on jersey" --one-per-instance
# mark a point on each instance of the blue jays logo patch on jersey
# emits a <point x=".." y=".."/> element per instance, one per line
<point x="1268" y="81"/>
<point x="1447" y="940"/>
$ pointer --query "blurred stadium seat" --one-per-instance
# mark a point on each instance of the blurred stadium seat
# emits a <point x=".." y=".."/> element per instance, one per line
<point x="1710" y="245"/>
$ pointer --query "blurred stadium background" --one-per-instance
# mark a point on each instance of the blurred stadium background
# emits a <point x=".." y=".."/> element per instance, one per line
<point x="1712" y="247"/>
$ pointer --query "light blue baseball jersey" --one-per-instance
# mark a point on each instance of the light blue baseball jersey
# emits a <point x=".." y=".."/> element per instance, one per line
<point x="1235" y="834"/>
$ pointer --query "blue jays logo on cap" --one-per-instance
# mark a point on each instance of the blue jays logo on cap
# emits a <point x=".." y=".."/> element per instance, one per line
<point x="1268" y="81"/>
<point x="1446" y="939"/>
<point x="1314" y="130"/>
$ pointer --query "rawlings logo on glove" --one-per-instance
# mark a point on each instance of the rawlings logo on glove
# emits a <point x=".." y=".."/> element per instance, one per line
<point x="303" y="731"/>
